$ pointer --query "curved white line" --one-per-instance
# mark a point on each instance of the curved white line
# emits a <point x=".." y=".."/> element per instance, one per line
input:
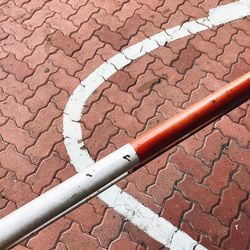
<point x="155" y="226"/>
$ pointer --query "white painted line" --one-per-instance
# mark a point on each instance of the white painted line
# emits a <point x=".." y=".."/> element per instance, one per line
<point x="155" y="226"/>
<point x="139" y="215"/>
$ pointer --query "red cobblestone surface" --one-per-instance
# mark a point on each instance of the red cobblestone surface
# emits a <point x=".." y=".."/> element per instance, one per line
<point x="48" y="47"/>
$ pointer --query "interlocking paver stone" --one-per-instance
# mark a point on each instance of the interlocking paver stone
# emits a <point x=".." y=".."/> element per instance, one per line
<point x="46" y="49"/>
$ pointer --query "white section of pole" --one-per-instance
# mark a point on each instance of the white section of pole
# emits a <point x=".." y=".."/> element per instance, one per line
<point x="34" y="214"/>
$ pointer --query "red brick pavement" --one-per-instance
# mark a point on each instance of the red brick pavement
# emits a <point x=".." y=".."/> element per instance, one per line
<point x="47" y="47"/>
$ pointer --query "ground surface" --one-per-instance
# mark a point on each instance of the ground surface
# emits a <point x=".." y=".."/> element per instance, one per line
<point x="46" y="48"/>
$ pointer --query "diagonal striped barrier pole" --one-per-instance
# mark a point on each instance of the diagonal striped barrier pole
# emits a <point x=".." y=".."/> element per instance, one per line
<point x="67" y="196"/>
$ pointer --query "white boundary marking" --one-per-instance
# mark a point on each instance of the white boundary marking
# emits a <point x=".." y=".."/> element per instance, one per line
<point x="141" y="216"/>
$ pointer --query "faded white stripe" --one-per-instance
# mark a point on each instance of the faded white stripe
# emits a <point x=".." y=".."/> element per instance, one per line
<point x="155" y="226"/>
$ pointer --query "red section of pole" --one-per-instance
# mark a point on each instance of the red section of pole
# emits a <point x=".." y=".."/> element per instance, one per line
<point x="192" y="119"/>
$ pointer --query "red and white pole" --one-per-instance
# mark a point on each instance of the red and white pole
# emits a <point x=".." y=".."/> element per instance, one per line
<point x="191" y="120"/>
<point x="65" y="197"/>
